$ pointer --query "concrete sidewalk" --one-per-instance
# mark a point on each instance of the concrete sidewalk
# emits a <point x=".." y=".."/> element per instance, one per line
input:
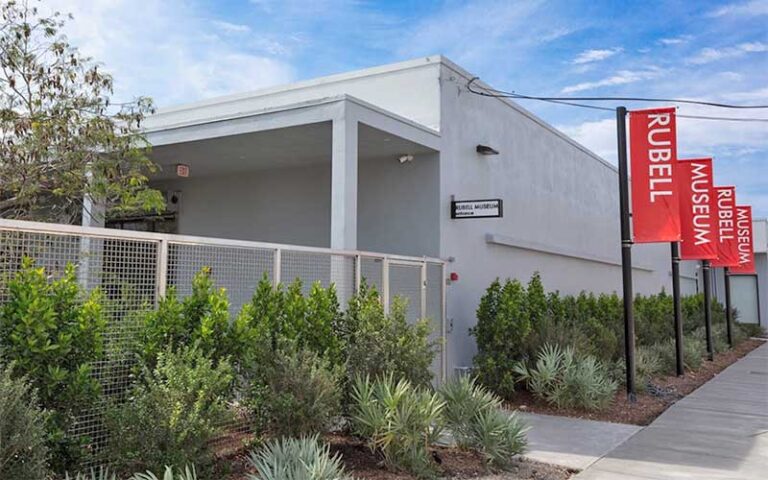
<point x="718" y="432"/>
<point x="572" y="442"/>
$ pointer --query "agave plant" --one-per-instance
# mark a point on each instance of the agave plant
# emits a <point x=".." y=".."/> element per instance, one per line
<point x="475" y="417"/>
<point x="296" y="459"/>
<point x="188" y="473"/>
<point x="565" y="379"/>
<point x="399" y="420"/>
<point x="101" y="474"/>
<point x="464" y="400"/>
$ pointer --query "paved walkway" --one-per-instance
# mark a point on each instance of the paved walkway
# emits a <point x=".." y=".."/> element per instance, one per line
<point x="572" y="442"/>
<point x="718" y="432"/>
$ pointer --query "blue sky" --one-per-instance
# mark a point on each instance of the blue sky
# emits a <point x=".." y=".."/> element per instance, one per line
<point x="183" y="50"/>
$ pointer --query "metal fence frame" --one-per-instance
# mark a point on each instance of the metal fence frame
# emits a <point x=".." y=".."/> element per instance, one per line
<point x="165" y="241"/>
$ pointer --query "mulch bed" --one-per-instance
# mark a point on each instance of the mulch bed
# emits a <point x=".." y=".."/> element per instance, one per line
<point x="451" y="463"/>
<point x="648" y="406"/>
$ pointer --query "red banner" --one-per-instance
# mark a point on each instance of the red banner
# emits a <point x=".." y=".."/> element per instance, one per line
<point x="745" y="241"/>
<point x="698" y="211"/>
<point x="727" y="247"/>
<point x="653" y="154"/>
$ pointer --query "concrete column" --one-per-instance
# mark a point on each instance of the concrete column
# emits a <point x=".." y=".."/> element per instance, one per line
<point x="91" y="249"/>
<point x="344" y="183"/>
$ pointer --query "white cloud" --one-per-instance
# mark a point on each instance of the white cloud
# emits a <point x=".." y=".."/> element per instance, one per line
<point x="483" y="31"/>
<point x="599" y="136"/>
<point x="169" y="50"/>
<point x="752" y="8"/>
<point x="736" y="147"/>
<point x="589" y="56"/>
<point x="231" y="27"/>
<point x="621" y="77"/>
<point x="707" y="55"/>
<point x="679" y="40"/>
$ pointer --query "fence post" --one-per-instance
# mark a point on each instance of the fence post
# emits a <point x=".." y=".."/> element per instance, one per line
<point x="162" y="270"/>
<point x="423" y="289"/>
<point x="385" y="284"/>
<point x="358" y="272"/>
<point x="277" y="266"/>
<point x="444" y="322"/>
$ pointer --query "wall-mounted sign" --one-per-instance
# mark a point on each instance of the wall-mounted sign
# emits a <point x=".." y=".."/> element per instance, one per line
<point x="489" y="208"/>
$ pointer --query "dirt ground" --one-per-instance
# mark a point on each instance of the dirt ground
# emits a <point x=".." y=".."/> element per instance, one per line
<point x="648" y="406"/>
<point x="450" y="463"/>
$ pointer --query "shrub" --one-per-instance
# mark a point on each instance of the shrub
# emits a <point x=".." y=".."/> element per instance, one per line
<point x="599" y="319"/>
<point x="648" y="364"/>
<point x="296" y="459"/>
<point x="279" y="316"/>
<point x="751" y="329"/>
<point x="693" y="313"/>
<point x="301" y="395"/>
<point x="23" y="451"/>
<point x="52" y="331"/>
<point x="503" y="323"/>
<point x="693" y="349"/>
<point x="172" y="414"/>
<point x="202" y="318"/>
<point x="654" y="318"/>
<point x="476" y="420"/>
<point x="567" y="380"/>
<point x="719" y="339"/>
<point x="399" y="420"/>
<point x="379" y="344"/>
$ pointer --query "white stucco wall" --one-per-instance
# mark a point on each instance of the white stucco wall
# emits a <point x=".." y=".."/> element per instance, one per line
<point x="284" y="205"/>
<point x="399" y="206"/>
<point x="557" y="196"/>
<point x="408" y="89"/>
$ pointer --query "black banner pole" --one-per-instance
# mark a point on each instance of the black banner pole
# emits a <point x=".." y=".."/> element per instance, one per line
<point x="705" y="269"/>
<point x="728" y="310"/>
<point x="626" y="253"/>
<point x="679" y="367"/>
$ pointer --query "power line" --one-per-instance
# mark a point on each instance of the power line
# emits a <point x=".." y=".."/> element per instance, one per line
<point x="575" y="102"/>
<point x="621" y="99"/>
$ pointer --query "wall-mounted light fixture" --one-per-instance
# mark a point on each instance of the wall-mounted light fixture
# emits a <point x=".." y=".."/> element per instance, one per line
<point x="486" y="150"/>
<point x="405" y="158"/>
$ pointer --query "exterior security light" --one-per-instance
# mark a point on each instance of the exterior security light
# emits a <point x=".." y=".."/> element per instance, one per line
<point x="405" y="158"/>
<point x="486" y="150"/>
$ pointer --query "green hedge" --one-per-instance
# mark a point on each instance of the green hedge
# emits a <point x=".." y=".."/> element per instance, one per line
<point x="514" y="322"/>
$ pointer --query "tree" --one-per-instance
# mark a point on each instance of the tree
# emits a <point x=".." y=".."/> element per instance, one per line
<point x="61" y="139"/>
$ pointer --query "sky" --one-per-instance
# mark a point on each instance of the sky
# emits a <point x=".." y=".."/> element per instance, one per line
<point x="177" y="51"/>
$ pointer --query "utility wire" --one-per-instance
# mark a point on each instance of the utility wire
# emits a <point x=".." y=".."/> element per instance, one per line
<point x="622" y="99"/>
<point x="575" y="102"/>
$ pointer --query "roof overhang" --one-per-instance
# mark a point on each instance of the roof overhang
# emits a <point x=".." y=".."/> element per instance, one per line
<point x="288" y="136"/>
<point x="303" y="113"/>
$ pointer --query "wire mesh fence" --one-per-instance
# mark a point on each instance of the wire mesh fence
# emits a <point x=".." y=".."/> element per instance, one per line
<point x="133" y="270"/>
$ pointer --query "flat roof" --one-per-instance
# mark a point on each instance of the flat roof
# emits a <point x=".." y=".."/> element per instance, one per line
<point x="156" y="121"/>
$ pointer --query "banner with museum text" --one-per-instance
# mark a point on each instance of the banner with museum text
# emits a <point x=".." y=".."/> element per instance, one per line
<point x="745" y="241"/>
<point x="653" y="156"/>
<point x="698" y="210"/>
<point x="727" y="246"/>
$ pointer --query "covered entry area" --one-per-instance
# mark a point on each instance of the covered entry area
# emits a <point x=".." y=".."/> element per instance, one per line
<point x="336" y="173"/>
